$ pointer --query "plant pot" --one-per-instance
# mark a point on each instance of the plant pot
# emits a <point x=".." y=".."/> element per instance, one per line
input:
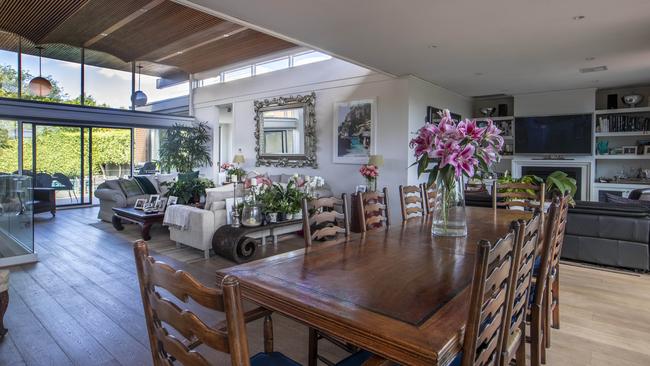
<point x="272" y="217"/>
<point x="297" y="215"/>
<point x="288" y="216"/>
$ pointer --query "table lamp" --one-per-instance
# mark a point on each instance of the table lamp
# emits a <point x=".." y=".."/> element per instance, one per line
<point x="376" y="160"/>
<point x="239" y="158"/>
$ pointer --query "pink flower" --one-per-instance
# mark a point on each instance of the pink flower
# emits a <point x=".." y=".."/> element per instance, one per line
<point x="471" y="129"/>
<point x="493" y="135"/>
<point x="423" y="142"/>
<point x="464" y="161"/>
<point x="369" y="171"/>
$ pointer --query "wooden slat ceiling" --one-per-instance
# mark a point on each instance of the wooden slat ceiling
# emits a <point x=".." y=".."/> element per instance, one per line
<point x="167" y="39"/>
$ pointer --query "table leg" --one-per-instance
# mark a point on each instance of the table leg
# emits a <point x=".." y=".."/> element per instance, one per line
<point x="146" y="227"/>
<point x="117" y="223"/>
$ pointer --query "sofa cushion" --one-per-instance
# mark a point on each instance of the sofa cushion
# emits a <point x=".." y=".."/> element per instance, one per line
<point x="617" y="199"/>
<point x="219" y="194"/>
<point x="146" y="185"/>
<point x="113" y="184"/>
<point x="130" y="187"/>
<point x="218" y="205"/>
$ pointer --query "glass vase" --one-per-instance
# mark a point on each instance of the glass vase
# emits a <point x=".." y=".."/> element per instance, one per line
<point x="371" y="183"/>
<point x="251" y="215"/>
<point x="449" y="217"/>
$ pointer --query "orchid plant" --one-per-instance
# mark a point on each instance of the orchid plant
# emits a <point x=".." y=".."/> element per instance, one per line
<point x="456" y="148"/>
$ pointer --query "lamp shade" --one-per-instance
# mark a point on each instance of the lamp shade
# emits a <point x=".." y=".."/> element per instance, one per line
<point x="139" y="98"/>
<point x="40" y="86"/>
<point x="238" y="159"/>
<point x="376" y="160"/>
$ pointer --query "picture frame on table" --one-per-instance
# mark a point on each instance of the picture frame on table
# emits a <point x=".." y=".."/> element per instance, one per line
<point x="629" y="150"/>
<point x="354" y="131"/>
<point x="161" y="204"/>
<point x="139" y="204"/>
<point x="153" y="199"/>
<point x="172" y="200"/>
<point x="361" y="189"/>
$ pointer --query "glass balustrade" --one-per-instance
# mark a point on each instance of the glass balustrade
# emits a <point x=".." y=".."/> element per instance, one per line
<point x="17" y="203"/>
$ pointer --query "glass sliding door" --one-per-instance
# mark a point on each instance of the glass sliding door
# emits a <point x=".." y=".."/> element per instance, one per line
<point x="58" y="162"/>
<point x="110" y="156"/>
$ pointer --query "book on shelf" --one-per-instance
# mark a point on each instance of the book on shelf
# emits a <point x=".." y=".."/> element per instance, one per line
<point x="622" y="123"/>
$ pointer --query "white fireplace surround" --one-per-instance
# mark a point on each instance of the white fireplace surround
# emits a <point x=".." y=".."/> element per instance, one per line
<point x="586" y="171"/>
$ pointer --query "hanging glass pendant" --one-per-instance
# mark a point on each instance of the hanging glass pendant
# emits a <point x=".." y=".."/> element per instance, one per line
<point x="39" y="85"/>
<point x="139" y="98"/>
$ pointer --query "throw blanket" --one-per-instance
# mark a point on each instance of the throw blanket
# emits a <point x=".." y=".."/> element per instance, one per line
<point x="178" y="217"/>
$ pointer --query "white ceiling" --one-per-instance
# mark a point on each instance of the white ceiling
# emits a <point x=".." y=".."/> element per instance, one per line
<point x="483" y="47"/>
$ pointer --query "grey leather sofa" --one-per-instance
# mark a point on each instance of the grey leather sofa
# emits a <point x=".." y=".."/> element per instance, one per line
<point x="609" y="234"/>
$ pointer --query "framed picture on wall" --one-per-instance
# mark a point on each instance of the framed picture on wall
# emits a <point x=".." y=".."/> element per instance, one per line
<point x="355" y="131"/>
<point x="433" y="115"/>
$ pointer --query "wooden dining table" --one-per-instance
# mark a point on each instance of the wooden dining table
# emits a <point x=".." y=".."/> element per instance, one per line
<point x="400" y="293"/>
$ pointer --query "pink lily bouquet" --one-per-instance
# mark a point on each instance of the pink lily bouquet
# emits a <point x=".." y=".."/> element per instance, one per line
<point x="455" y="149"/>
<point x="458" y="148"/>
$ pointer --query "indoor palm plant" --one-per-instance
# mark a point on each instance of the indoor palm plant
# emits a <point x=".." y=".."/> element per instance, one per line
<point x="188" y="191"/>
<point x="185" y="148"/>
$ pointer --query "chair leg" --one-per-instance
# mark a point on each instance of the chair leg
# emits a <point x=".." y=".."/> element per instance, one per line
<point x="536" y="337"/>
<point x="4" y="303"/>
<point x="556" y="299"/>
<point x="313" y="347"/>
<point x="521" y="350"/>
<point x="548" y="298"/>
<point x="268" y="334"/>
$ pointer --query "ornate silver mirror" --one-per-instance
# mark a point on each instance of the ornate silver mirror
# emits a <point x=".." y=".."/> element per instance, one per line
<point x="286" y="131"/>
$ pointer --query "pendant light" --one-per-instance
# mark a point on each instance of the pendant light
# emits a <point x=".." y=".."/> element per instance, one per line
<point x="139" y="98"/>
<point x="39" y="85"/>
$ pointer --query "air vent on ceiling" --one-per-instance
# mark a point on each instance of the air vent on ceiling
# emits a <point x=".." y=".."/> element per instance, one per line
<point x="593" y="69"/>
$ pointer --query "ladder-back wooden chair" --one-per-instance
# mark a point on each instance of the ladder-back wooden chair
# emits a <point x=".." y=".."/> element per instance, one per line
<point x="325" y="218"/>
<point x="508" y="195"/>
<point x="553" y="289"/>
<point x="412" y="202"/>
<point x="429" y="193"/>
<point x="539" y="306"/>
<point x="487" y="301"/>
<point x="513" y="335"/>
<point x="189" y="331"/>
<point x="373" y="210"/>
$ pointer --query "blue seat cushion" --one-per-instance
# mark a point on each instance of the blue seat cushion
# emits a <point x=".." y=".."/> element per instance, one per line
<point x="272" y="359"/>
<point x="355" y="359"/>
<point x="457" y="360"/>
<point x="536" y="265"/>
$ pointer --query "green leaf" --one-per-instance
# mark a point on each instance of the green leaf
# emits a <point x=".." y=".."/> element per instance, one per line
<point x="423" y="164"/>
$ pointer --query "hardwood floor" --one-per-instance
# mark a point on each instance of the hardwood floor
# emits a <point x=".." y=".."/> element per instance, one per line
<point x="80" y="305"/>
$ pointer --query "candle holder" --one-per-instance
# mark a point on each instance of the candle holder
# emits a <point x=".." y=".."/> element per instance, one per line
<point x="235" y="213"/>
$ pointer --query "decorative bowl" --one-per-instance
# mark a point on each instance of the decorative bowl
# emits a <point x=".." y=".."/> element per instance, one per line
<point x="632" y="99"/>
<point x="487" y="111"/>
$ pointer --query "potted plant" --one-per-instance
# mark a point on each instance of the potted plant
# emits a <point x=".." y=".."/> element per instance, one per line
<point x="185" y="148"/>
<point x="188" y="191"/>
<point x="270" y="205"/>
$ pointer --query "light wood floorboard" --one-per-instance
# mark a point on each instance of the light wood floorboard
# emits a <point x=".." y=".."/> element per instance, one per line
<point x="80" y="305"/>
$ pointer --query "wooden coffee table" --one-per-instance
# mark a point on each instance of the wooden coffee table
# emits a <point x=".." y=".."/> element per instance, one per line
<point x="145" y="220"/>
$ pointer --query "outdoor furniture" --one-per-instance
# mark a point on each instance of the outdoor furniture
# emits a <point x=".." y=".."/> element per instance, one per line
<point x="148" y="168"/>
<point x="65" y="184"/>
<point x="4" y="299"/>
<point x="43" y="180"/>
<point x="145" y="220"/>
<point x="399" y="293"/>
<point x="239" y="243"/>
<point x="44" y="200"/>
<point x="189" y="331"/>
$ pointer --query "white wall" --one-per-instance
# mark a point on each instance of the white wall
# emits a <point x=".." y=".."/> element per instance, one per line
<point x="557" y="102"/>
<point x="401" y="106"/>
<point x="421" y="95"/>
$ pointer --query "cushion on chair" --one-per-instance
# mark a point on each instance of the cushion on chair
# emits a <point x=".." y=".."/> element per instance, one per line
<point x="458" y="360"/>
<point x="272" y="359"/>
<point x="146" y="185"/>
<point x="130" y="187"/>
<point x="355" y="359"/>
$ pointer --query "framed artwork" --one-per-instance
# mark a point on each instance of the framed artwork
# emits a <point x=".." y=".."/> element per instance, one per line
<point x="139" y="204"/>
<point x="355" y="131"/>
<point x="433" y="115"/>
<point x="161" y="204"/>
<point x="629" y="150"/>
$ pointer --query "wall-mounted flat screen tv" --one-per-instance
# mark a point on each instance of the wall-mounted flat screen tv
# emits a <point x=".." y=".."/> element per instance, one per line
<point x="554" y="135"/>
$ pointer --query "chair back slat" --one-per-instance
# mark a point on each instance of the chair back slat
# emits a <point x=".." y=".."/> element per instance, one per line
<point x="487" y="300"/>
<point x="162" y="314"/>
<point x="412" y="202"/>
<point x="504" y="196"/>
<point x="429" y="195"/>
<point x="325" y="218"/>
<point x="372" y="205"/>
<point x="558" y="234"/>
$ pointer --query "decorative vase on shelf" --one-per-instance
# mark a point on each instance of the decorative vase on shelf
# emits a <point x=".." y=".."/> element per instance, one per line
<point x="449" y="217"/>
